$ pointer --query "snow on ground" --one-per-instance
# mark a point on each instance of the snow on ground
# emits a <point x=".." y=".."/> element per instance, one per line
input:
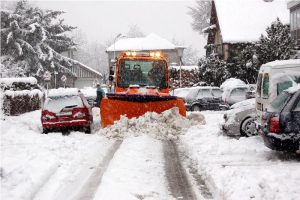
<point x="52" y="166"/>
<point x="30" y="159"/>
<point x="136" y="172"/>
<point x="240" y="168"/>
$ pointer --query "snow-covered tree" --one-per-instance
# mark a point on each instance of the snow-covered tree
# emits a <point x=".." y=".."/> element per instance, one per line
<point x="212" y="70"/>
<point x="276" y="45"/>
<point x="32" y="40"/>
<point x="201" y="15"/>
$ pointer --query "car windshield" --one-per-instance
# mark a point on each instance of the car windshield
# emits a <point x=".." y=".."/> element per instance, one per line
<point x="56" y="104"/>
<point x="278" y="103"/>
<point x="239" y="92"/>
<point x="217" y="93"/>
<point x="204" y="93"/>
<point x="143" y="73"/>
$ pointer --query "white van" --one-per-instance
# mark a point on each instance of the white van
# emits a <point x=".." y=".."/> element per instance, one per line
<point x="273" y="78"/>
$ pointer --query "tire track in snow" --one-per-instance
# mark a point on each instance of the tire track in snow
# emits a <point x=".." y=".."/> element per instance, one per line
<point x="89" y="189"/>
<point x="179" y="184"/>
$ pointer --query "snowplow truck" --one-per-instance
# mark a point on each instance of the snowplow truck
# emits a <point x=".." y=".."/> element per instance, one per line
<point x="140" y="85"/>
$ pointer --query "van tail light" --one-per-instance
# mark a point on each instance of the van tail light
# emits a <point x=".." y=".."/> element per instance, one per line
<point x="274" y="125"/>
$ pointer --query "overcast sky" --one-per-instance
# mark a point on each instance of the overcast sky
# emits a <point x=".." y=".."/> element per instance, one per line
<point x="103" y="20"/>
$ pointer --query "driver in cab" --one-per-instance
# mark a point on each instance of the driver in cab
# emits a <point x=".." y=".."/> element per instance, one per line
<point x="156" y="74"/>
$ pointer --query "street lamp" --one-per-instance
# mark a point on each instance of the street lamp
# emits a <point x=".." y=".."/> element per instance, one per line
<point x="180" y="53"/>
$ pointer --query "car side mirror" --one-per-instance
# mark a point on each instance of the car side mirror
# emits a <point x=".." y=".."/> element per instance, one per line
<point x="111" y="78"/>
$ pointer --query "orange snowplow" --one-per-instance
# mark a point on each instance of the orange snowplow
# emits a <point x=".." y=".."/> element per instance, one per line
<point x="141" y="85"/>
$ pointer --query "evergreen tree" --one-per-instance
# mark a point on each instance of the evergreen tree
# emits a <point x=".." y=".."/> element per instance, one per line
<point x="276" y="45"/>
<point x="32" y="40"/>
<point x="213" y="71"/>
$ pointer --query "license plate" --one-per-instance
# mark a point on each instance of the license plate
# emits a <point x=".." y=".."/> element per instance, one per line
<point x="64" y="114"/>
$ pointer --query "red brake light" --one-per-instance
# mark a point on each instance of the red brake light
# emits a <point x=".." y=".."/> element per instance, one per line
<point x="274" y="125"/>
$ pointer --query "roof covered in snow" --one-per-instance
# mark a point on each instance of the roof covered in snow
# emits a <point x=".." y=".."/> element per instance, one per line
<point x="150" y="42"/>
<point x="9" y="81"/>
<point x="246" y="20"/>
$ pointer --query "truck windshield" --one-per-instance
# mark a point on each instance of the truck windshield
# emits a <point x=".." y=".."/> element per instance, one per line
<point x="142" y="73"/>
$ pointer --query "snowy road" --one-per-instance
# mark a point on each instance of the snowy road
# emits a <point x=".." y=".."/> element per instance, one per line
<point x="202" y="164"/>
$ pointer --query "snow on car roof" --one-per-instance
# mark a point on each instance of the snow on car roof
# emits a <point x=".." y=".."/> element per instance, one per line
<point x="293" y="89"/>
<point x="63" y="92"/>
<point x="232" y="82"/>
<point x="247" y="102"/>
<point x="254" y="16"/>
<point x="9" y="81"/>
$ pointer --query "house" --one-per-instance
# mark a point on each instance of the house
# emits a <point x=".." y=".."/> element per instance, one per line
<point x="294" y="7"/>
<point x="151" y="42"/>
<point x="237" y="22"/>
<point x="85" y="75"/>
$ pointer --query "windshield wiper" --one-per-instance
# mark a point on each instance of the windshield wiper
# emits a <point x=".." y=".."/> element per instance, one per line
<point x="71" y="106"/>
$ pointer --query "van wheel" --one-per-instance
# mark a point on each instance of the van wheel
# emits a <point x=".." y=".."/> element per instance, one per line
<point x="196" y="108"/>
<point x="248" y="128"/>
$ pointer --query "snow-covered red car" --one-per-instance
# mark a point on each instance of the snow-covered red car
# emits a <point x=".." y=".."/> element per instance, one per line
<point x="66" y="109"/>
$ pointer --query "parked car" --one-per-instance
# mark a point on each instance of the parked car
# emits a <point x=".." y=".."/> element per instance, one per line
<point x="180" y="92"/>
<point x="240" y="119"/>
<point x="234" y="94"/>
<point x="66" y="109"/>
<point x="281" y="121"/>
<point x="273" y="78"/>
<point x="203" y="98"/>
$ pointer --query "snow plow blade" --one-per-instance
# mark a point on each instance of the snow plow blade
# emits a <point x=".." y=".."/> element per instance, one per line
<point x="135" y="105"/>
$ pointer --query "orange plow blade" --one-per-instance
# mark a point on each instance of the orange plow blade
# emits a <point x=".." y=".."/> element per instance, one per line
<point x="136" y="105"/>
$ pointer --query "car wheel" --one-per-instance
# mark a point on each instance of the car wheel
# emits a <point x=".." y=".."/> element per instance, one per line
<point x="45" y="131"/>
<point x="88" y="130"/>
<point x="248" y="127"/>
<point x="196" y="108"/>
<point x="65" y="132"/>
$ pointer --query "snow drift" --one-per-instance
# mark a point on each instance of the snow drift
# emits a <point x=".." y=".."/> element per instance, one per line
<point x="167" y="125"/>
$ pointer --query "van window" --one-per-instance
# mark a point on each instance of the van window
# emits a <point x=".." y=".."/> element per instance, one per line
<point x="266" y="86"/>
<point x="259" y="80"/>
<point x="297" y="108"/>
<point x="283" y="85"/>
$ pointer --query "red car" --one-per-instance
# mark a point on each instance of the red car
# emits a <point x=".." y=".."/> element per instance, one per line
<point x="66" y="109"/>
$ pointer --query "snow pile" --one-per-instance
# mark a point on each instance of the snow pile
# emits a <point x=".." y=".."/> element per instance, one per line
<point x="166" y="125"/>
<point x="62" y="92"/>
<point x="232" y="82"/>
<point x="188" y="68"/>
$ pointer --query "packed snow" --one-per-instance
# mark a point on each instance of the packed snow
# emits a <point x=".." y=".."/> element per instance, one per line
<point x="167" y="125"/>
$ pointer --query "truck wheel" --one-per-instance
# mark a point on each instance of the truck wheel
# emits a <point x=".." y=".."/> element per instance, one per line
<point x="196" y="108"/>
<point x="248" y="127"/>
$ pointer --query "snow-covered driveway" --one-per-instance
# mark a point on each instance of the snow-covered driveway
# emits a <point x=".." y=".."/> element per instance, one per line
<point x="141" y="166"/>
